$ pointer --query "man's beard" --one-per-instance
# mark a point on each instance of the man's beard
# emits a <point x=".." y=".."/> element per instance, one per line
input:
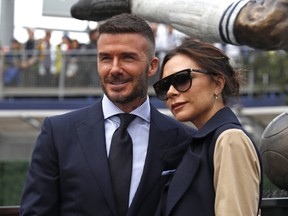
<point x="139" y="91"/>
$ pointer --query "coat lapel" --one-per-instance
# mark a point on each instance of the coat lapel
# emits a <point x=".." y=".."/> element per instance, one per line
<point x="161" y="134"/>
<point x="182" y="178"/>
<point x="92" y="139"/>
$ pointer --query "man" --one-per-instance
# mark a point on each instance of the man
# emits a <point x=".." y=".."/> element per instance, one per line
<point x="70" y="171"/>
<point x="259" y="24"/>
<point x="89" y="65"/>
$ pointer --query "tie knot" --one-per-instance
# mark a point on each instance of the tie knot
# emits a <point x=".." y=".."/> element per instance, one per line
<point x="125" y="119"/>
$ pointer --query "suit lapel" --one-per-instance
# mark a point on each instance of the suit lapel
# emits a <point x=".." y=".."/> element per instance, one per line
<point x="160" y="135"/>
<point x="92" y="139"/>
<point x="182" y="179"/>
<point x="152" y="170"/>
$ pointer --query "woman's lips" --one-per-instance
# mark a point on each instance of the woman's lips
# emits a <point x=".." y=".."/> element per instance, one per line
<point x="177" y="106"/>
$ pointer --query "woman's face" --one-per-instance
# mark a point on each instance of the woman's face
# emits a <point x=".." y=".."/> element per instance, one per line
<point x="198" y="104"/>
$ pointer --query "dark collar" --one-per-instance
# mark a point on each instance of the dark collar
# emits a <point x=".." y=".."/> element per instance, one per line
<point x="222" y="117"/>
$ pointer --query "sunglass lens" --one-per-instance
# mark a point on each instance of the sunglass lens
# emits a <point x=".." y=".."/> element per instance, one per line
<point x="161" y="88"/>
<point x="182" y="81"/>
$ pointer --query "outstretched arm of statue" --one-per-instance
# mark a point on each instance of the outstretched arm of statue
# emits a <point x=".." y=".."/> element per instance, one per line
<point x="256" y="23"/>
<point x="263" y="24"/>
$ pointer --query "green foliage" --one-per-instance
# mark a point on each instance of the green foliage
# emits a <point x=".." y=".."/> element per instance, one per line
<point x="12" y="177"/>
<point x="269" y="68"/>
<point x="13" y="174"/>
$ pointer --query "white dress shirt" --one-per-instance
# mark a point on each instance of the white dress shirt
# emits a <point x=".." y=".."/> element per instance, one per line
<point x="139" y="132"/>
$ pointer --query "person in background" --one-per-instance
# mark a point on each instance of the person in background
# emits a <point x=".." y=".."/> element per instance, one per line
<point x="89" y="72"/>
<point x="62" y="55"/>
<point x="71" y="167"/>
<point x="30" y="63"/>
<point x="174" y="37"/>
<point x="13" y="64"/>
<point x="165" y="39"/>
<point x="47" y="60"/>
<point x="30" y="43"/>
<point x="93" y="36"/>
<point x="65" y="44"/>
<point x="73" y="78"/>
<point x="220" y="173"/>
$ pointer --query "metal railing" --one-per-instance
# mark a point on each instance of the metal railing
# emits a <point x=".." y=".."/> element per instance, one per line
<point x="51" y="74"/>
<point x="9" y="210"/>
<point x="269" y="207"/>
<point x="74" y="73"/>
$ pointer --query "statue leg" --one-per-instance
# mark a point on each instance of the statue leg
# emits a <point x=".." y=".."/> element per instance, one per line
<point x="97" y="10"/>
<point x="260" y="24"/>
<point x="207" y="20"/>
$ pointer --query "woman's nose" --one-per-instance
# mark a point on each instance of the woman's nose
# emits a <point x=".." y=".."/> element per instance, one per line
<point x="172" y="92"/>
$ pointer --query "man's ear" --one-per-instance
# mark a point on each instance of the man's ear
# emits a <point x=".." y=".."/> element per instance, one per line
<point x="153" y="66"/>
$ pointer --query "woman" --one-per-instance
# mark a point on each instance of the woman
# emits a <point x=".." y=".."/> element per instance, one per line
<point x="220" y="172"/>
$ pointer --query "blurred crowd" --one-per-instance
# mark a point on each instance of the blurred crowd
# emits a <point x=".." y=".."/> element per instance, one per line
<point x="37" y="62"/>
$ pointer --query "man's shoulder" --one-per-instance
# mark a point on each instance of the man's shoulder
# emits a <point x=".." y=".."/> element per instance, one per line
<point x="80" y="113"/>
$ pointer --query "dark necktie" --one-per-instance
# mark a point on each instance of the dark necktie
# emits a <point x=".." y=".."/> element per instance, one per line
<point x="120" y="160"/>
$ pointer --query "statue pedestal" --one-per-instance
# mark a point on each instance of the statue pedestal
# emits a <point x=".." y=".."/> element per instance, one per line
<point x="274" y="206"/>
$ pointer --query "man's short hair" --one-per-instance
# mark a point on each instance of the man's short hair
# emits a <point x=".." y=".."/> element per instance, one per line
<point x="129" y="23"/>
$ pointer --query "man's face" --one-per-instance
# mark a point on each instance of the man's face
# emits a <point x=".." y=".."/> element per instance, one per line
<point x="123" y="68"/>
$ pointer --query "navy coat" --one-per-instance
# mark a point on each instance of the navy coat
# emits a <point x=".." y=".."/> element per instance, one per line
<point x="69" y="172"/>
<point x="190" y="190"/>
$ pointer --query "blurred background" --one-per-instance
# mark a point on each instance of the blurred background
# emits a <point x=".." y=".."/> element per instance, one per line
<point x="48" y="67"/>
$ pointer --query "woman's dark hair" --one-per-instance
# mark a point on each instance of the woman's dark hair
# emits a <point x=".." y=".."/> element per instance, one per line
<point x="213" y="60"/>
<point x="129" y="23"/>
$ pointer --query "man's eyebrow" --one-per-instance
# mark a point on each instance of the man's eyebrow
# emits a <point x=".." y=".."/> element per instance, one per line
<point x="121" y="54"/>
<point x="129" y="53"/>
<point x="103" y="53"/>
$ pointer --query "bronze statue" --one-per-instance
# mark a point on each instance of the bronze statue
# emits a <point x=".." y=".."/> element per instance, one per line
<point x="261" y="24"/>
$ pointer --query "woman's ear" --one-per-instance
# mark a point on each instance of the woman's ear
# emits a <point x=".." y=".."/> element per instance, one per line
<point x="153" y="66"/>
<point x="220" y="82"/>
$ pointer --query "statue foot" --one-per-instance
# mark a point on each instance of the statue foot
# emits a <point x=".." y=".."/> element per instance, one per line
<point x="97" y="10"/>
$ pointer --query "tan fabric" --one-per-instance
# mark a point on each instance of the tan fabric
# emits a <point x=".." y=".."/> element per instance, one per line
<point x="236" y="175"/>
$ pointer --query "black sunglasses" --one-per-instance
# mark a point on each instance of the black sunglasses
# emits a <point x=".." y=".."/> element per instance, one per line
<point x="181" y="81"/>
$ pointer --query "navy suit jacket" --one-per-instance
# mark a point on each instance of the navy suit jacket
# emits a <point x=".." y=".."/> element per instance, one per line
<point x="69" y="172"/>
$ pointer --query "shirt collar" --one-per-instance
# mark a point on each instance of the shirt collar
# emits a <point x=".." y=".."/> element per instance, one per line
<point x="109" y="109"/>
